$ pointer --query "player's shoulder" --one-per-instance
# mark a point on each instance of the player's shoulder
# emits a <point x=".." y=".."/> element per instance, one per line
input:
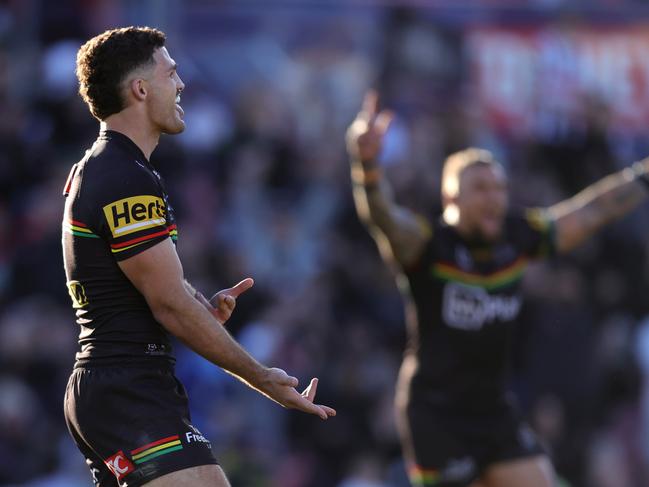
<point x="440" y="229"/>
<point x="529" y="217"/>
<point x="113" y="156"/>
<point x="112" y="169"/>
<point x="120" y="194"/>
<point x="529" y="228"/>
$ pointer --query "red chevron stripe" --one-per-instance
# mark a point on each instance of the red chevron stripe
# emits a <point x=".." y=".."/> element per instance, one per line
<point x="139" y="239"/>
<point x="155" y="443"/>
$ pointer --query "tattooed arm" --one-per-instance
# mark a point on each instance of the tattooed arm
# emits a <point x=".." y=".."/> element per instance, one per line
<point x="579" y="217"/>
<point x="399" y="233"/>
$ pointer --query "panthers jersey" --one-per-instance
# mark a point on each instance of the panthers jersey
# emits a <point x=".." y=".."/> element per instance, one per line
<point x="467" y="300"/>
<point x="116" y="207"/>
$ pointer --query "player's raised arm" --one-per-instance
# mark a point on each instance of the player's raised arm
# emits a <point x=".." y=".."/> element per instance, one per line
<point x="399" y="232"/>
<point x="579" y="217"/>
<point x="157" y="273"/>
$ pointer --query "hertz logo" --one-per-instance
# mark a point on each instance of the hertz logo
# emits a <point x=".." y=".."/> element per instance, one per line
<point x="136" y="213"/>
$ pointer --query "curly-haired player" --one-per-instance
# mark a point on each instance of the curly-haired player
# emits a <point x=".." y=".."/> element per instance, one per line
<point x="125" y="408"/>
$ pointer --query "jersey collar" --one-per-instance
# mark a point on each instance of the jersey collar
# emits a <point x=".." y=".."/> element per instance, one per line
<point x="125" y="142"/>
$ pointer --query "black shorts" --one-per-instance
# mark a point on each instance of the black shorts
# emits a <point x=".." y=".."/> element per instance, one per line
<point x="447" y="449"/>
<point x="132" y="424"/>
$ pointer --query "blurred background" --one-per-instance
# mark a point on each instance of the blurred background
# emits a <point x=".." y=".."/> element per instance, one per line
<point x="558" y="89"/>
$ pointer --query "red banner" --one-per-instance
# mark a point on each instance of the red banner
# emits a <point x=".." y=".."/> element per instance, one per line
<point x="524" y="78"/>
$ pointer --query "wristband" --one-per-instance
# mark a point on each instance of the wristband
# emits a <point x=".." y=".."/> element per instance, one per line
<point x="367" y="176"/>
<point x="369" y="164"/>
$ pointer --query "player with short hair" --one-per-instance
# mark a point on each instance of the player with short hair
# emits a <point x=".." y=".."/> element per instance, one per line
<point x="124" y="407"/>
<point x="462" y="289"/>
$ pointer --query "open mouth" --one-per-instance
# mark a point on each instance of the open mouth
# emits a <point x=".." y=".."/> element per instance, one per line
<point x="178" y="107"/>
<point x="492" y="219"/>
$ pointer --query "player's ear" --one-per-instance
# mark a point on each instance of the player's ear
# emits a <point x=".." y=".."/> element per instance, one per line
<point x="451" y="212"/>
<point x="138" y="88"/>
<point x="448" y="199"/>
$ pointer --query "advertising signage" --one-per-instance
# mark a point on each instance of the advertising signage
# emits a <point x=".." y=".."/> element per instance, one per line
<point x="523" y="78"/>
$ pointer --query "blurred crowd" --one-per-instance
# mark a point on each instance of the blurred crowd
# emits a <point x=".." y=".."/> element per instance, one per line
<point x="260" y="184"/>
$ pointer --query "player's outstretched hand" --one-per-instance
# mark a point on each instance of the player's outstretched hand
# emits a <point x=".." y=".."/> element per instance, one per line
<point x="222" y="304"/>
<point x="644" y="163"/>
<point x="280" y="387"/>
<point x="365" y="134"/>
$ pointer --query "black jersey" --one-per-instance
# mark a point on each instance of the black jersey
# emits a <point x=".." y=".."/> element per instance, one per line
<point x="467" y="300"/>
<point x="116" y="207"/>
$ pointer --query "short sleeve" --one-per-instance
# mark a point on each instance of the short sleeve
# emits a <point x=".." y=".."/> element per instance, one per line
<point x="534" y="233"/>
<point x="131" y="213"/>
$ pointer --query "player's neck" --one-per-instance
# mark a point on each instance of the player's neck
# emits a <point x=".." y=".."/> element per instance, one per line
<point x="144" y="136"/>
<point x="463" y="228"/>
<point x="453" y="218"/>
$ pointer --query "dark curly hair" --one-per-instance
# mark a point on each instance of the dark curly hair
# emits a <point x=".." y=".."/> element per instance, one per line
<point x="105" y="60"/>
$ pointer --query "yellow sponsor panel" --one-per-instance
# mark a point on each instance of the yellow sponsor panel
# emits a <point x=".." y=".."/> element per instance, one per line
<point x="78" y="294"/>
<point x="135" y="213"/>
